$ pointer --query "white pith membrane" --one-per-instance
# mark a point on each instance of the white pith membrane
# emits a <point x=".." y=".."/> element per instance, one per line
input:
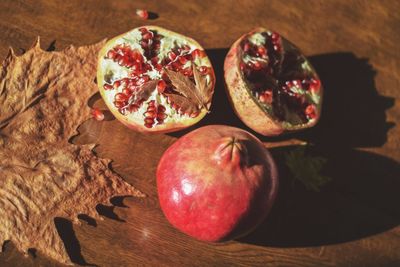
<point x="294" y="80"/>
<point x="113" y="72"/>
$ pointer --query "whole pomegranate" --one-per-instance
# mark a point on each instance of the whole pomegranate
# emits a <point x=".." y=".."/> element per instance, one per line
<point x="272" y="87"/>
<point x="216" y="183"/>
<point x="155" y="80"/>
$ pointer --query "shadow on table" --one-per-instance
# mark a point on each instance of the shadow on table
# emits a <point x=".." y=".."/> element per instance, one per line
<point x="71" y="243"/>
<point x="363" y="195"/>
<point x="353" y="112"/>
<point x="361" y="200"/>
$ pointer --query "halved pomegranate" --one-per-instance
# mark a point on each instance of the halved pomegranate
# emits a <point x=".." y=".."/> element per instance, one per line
<point x="271" y="85"/>
<point x="155" y="80"/>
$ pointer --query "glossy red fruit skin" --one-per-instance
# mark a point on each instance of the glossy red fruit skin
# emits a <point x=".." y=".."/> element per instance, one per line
<point x="213" y="201"/>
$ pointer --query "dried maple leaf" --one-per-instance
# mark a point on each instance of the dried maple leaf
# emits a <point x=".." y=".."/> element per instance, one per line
<point x="197" y="94"/>
<point x="43" y="99"/>
<point x="204" y="91"/>
<point x="185" y="105"/>
<point x="145" y="90"/>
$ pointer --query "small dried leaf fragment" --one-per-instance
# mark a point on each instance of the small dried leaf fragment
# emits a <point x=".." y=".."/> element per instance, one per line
<point x="204" y="91"/>
<point x="307" y="169"/>
<point x="197" y="94"/>
<point x="145" y="90"/>
<point x="43" y="99"/>
<point x="185" y="105"/>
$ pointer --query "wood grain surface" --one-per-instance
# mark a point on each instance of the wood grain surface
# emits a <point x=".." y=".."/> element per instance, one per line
<point x="353" y="221"/>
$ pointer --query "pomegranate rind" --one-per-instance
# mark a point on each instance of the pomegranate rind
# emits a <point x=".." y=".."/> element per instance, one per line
<point x="246" y="106"/>
<point x="221" y="202"/>
<point x="171" y="126"/>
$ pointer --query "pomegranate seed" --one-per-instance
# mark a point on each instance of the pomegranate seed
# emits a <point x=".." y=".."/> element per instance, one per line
<point x="107" y="86"/>
<point x="194" y="114"/>
<point x="156" y="46"/>
<point x="262" y="51"/>
<point x="151" y="109"/>
<point x="117" y="57"/>
<point x="198" y="53"/>
<point x="182" y="60"/>
<point x="186" y="47"/>
<point x="158" y="67"/>
<point x="171" y="55"/>
<point x="187" y="71"/>
<point x="154" y="60"/>
<point x="150" y="114"/>
<point x="161" y="86"/>
<point x="161" y="116"/>
<point x="203" y="70"/>
<point x="136" y="67"/>
<point x="143" y="80"/>
<point x="121" y="97"/>
<point x="275" y="36"/>
<point x="149" y="120"/>
<point x="147" y="36"/>
<point x="256" y="65"/>
<point x="119" y="104"/>
<point x="161" y="108"/>
<point x="116" y="84"/>
<point x="310" y="111"/>
<point x="175" y="106"/>
<point x="246" y="47"/>
<point x="143" y="30"/>
<point x="176" y="66"/>
<point x="266" y="97"/>
<point x="144" y="44"/>
<point x="315" y="85"/>
<point x="147" y="67"/>
<point x="121" y="61"/>
<point x="296" y="82"/>
<point x="97" y="114"/>
<point x="142" y="13"/>
<point x="111" y="54"/>
<point x="137" y="57"/>
<point x="151" y="103"/>
<point x="126" y="91"/>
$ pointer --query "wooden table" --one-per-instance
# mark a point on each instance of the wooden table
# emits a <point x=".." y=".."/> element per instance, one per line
<point x="353" y="221"/>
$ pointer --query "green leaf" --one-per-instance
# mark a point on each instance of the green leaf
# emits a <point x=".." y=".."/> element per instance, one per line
<point x="306" y="169"/>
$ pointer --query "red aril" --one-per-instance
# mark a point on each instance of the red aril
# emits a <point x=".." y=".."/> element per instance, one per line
<point x="154" y="65"/>
<point x="142" y="13"/>
<point x="97" y="114"/>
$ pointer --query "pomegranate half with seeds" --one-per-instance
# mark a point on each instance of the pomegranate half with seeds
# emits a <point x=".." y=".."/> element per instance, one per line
<point x="271" y="85"/>
<point x="216" y="183"/>
<point x="155" y="80"/>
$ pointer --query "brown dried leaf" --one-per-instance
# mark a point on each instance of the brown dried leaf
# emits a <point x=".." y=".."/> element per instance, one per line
<point x="43" y="99"/>
<point x="184" y="104"/>
<point x="197" y="93"/>
<point x="145" y="90"/>
<point x="203" y="90"/>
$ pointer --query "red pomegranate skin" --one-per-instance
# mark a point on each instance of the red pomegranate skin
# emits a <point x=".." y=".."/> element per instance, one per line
<point x="216" y="183"/>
